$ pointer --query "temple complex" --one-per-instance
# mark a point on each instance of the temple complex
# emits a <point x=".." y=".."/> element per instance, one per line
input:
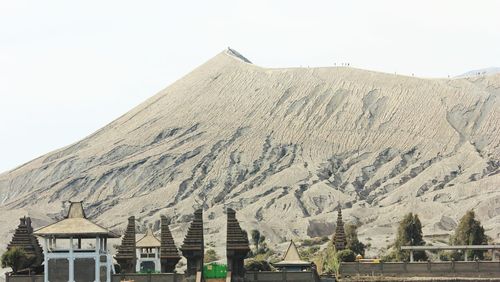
<point x="169" y="255"/>
<point x="126" y="255"/>
<point x="23" y="238"/>
<point x="193" y="247"/>
<point x="148" y="253"/>
<point x="339" y="238"/>
<point x="75" y="247"/>
<point x="292" y="261"/>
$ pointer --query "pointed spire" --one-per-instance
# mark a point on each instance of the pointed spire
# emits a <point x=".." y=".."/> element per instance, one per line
<point x="126" y="255"/>
<point x="237" y="246"/>
<point x="237" y="239"/>
<point x="339" y="238"/>
<point x="194" y="237"/>
<point x="169" y="254"/>
<point x="193" y="246"/>
<point x="292" y="254"/>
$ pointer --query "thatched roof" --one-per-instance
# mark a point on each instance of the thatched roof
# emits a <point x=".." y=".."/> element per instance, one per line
<point x="148" y="241"/>
<point x="75" y="224"/>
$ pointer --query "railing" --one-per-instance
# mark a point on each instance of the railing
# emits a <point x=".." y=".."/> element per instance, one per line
<point x="451" y="268"/>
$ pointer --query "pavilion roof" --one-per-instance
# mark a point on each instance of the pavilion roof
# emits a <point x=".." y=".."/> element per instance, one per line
<point x="149" y="240"/>
<point x="75" y="224"/>
<point x="292" y="257"/>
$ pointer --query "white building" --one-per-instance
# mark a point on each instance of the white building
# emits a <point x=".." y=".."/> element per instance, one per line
<point x="148" y="253"/>
<point x="77" y="248"/>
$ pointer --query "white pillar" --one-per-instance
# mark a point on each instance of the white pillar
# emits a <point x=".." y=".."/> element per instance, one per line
<point x="71" y="261"/>
<point x="108" y="268"/>
<point x="45" y="261"/>
<point x="465" y="255"/>
<point x="138" y="252"/>
<point x="97" y="260"/>
<point x="411" y="255"/>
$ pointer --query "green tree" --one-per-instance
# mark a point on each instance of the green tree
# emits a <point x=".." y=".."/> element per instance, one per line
<point x="353" y="243"/>
<point x="409" y="234"/>
<point x="17" y="259"/>
<point x="210" y="256"/>
<point x="255" y="239"/>
<point x="346" y="256"/>
<point x="258" y="265"/>
<point x="470" y="232"/>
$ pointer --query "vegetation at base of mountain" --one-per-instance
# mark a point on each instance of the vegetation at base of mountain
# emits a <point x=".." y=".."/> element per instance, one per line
<point x="210" y="256"/>
<point x="469" y="232"/>
<point x="308" y="253"/>
<point x="346" y="256"/>
<point x="314" y="241"/>
<point x="409" y="234"/>
<point x="258" y="240"/>
<point x="353" y="243"/>
<point x="17" y="259"/>
<point x="258" y="265"/>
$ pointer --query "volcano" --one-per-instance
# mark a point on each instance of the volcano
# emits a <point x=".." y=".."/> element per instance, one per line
<point x="284" y="147"/>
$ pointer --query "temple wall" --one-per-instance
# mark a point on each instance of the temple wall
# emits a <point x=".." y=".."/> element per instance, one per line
<point x="159" y="277"/>
<point x="302" y="276"/>
<point x="424" y="269"/>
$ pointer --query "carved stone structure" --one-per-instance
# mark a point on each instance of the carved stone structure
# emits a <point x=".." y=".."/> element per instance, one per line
<point x="193" y="246"/>
<point x="126" y="255"/>
<point x="23" y="238"/>
<point x="169" y="255"/>
<point x="237" y="246"/>
<point x="339" y="237"/>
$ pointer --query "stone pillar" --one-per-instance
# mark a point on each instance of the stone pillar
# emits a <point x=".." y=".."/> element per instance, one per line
<point x="193" y="246"/>
<point x="126" y="255"/>
<point x="411" y="255"/>
<point x="237" y="247"/>
<point x="168" y="253"/>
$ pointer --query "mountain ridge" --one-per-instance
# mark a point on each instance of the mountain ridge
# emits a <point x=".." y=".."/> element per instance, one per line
<point x="284" y="147"/>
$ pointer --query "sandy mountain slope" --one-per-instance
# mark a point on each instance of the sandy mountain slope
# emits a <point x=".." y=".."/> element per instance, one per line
<point x="284" y="147"/>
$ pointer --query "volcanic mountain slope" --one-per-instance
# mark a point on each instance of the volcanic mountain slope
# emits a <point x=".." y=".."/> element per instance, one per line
<point x="284" y="147"/>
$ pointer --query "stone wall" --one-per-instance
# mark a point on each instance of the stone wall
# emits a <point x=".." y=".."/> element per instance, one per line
<point x="160" y="277"/>
<point x="424" y="269"/>
<point x="304" y="276"/>
<point x="24" y="278"/>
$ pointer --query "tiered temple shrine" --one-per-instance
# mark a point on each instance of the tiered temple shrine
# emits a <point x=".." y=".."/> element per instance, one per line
<point x="126" y="255"/>
<point x="237" y="246"/>
<point x="169" y="255"/>
<point x="339" y="238"/>
<point x="23" y="238"/>
<point x="193" y="246"/>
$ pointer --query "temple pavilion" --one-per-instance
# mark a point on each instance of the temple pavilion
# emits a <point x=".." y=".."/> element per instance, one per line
<point x="292" y="261"/>
<point x="148" y="253"/>
<point x="76" y="247"/>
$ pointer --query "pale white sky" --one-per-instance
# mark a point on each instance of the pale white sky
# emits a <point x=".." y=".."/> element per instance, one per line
<point x="68" y="68"/>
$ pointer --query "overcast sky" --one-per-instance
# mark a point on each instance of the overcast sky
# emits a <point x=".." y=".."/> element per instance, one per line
<point x="68" y="68"/>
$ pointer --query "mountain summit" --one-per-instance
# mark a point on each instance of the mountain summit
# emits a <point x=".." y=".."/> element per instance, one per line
<point x="283" y="147"/>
